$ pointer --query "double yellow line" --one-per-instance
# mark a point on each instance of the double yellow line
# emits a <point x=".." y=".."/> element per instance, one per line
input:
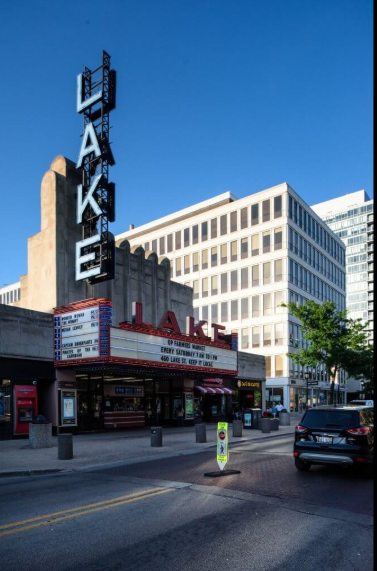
<point x="48" y="519"/>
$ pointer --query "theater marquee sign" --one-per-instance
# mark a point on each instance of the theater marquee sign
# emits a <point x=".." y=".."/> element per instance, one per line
<point x="95" y="195"/>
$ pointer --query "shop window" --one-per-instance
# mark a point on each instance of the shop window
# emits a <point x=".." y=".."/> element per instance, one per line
<point x="278" y="238"/>
<point x="224" y="283"/>
<point x="170" y="243"/>
<point x="267" y="335"/>
<point x="214" y="228"/>
<point x="234" y="310"/>
<point x="178" y="240"/>
<point x="223" y="225"/>
<point x="234" y="280"/>
<point x="244" y="248"/>
<point x="266" y="210"/>
<point x="186" y="237"/>
<point x="255" y="214"/>
<point x="204" y="259"/>
<point x="195" y="262"/>
<point x="224" y="312"/>
<point x="255" y="276"/>
<point x="244" y="278"/>
<point x="244" y="221"/>
<point x="187" y="264"/>
<point x="214" y="257"/>
<point x="205" y="287"/>
<point x="245" y="338"/>
<point x="224" y="253"/>
<point x="255" y="245"/>
<point x="178" y="267"/>
<point x="278" y="210"/>
<point x="245" y="308"/>
<point x="162" y="245"/>
<point x="214" y="285"/>
<point x="233" y="251"/>
<point x="256" y="337"/>
<point x="204" y="231"/>
<point x="267" y="308"/>
<point x="233" y="221"/>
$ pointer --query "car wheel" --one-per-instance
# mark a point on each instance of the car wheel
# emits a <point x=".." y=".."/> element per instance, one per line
<point x="301" y="466"/>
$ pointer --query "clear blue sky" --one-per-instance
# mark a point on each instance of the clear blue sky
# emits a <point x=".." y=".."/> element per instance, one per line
<point x="213" y="95"/>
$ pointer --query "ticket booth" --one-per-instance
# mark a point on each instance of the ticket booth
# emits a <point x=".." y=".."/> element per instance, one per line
<point x="25" y="403"/>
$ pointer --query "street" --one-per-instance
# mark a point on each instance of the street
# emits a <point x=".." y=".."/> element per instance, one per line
<point x="165" y="514"/>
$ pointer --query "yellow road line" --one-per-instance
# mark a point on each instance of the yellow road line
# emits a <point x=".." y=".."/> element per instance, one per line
<point x="84" y="507"/>
<point x="91" y="511"/>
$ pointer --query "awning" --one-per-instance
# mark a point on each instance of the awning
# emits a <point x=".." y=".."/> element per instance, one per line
<point x="215" y="390"/>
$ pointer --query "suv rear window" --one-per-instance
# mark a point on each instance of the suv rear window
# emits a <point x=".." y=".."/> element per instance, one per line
<point x="331" y="418"/>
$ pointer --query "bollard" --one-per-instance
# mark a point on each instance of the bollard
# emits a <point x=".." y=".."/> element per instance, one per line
<point x="201" y="432"/>
<point x="237" y="427"/>
<point x="285" y="419"/>
<point x="274" y="424"/>
<point x="156" y="436"/>
<point x="40" y="435"/>
<point x="65" y="447"/>
<point x="265" y="425"/>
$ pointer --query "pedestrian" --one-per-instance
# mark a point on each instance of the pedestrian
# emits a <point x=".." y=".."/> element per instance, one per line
<point x="180" y="413"/>
<point x="279" y="408"/>
<point x="273" y="409"/>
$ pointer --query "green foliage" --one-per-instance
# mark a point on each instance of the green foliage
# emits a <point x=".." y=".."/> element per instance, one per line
<point x="334" y="340"/>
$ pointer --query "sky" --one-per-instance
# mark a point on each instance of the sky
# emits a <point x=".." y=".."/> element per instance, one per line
<point x="212" y="96"/>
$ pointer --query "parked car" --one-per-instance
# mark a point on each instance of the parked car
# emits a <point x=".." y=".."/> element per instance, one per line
<point x="342" y="435"/>
<point x="361" y="403"/>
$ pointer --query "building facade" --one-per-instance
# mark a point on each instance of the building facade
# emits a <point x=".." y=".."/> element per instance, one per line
<point x="10" y="294"/>
<point x="244" y="259"/>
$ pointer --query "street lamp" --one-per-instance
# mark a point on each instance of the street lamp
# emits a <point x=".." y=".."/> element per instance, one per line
<point x="307" y="377"/>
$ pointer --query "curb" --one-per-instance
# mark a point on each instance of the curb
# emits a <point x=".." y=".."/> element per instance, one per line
<point x="15" y="473"/>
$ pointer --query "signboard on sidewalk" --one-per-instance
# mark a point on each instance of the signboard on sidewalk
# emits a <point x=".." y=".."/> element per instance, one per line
<point x="222" y="444"/>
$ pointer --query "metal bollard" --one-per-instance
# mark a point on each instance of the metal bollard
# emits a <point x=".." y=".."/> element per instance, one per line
<point x="156" y="436"/>
<point x="65" y="447"/>
<point x="201" y="432"/>
<point x="237" y="427"/>
<point x="285" y="419"/>
<point x="265" y="425"/>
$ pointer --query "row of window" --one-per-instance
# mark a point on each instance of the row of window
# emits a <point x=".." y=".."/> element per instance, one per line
<point x="262" y="336"/>
<point x="302" y="218"/>
<point x="299" y="246"/>
<point x="245" y="278"/>
<point x="308" y="282"/>
<point x="10" y="296"/>
<point x="220" y="226"/>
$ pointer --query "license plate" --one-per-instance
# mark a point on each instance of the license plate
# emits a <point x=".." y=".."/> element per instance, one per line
<point x="324" y="439"/>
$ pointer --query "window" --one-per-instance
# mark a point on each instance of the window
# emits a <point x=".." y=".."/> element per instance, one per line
<point x="256" y="337"/>
<point x="187" y="264"/>
<point x="233" y="221"/>
<point x="278" y="301"/>
<point x="204" y="231"/>
<point x="234" y="280"/>
<point x="223" y="225"/>
<point x="146" y="246"/>
<point x="267" y="273"/>
<point x="279" y="334"/>
<point x="255" y="245"/>
<point x="195" y="262"/>
<point x="224" y="283"/>
<point x="205" y="313"/>
<point x="266" y="242"/>
<point x="214" y="285"/>
<point x="255" y="214"/>
<point x="224" y="312"/>
<point x="278" y="271"/>
<point x="267" y="304"/>
<point x="245" y="308"/>
<point x="170" y="243"/>
<point x="214" y="228"/>
<point x="154" y="246"/>
<point x="267" y="335"/>
<point x="204" y="259"/>
<point x="278" y="207"/>
<point x="244" y="339"/>
<point x="255" y="276"/>
<point x="255" y="304"/>
<point x="186" y="237"/>
<point x="233" y="251"/>
<point x="279" y="365"/>
<point x="195" y="287"/>
<point x="178" y="267"/>
<point x="162" y="245"/>
<point x="214" y="313"/>
<point x="290" y="202"/>
<point x="195" y="234"/>
<point x="224" y="253"/>
<point x="278" y="238"/>
<point x="213" y="257"/>
<point x="205" y="287"/>
<point x="266" y="210"/>
<point x="244" y="278"/>
<point x="244" y="218"/>
<point x="178" y="240"/>
<point x="234" y="310"/>
<point x="244" y="248"/>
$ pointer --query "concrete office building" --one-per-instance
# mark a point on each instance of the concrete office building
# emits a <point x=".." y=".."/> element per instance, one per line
<point x="9" y="294"/>
<point x="244" y="258"/>
<point x="351" y="217"/>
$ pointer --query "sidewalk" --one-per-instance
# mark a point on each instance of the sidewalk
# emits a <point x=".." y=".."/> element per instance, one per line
<point x="111" y="448"/>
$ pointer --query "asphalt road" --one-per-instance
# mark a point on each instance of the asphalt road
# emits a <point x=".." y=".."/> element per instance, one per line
<point x="165" y="515"/>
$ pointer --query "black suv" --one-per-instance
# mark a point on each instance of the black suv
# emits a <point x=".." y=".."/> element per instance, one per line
<point x="342" y="435"/>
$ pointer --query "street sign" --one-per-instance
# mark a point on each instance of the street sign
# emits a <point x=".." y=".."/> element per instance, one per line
<point x="312" y="383"/>
<point x="222" y="444"/>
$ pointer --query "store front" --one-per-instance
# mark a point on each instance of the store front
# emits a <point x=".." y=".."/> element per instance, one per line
<point x="249" y="394"/>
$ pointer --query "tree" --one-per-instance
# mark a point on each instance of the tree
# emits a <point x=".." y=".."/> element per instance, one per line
<point x="334" y="341"/>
